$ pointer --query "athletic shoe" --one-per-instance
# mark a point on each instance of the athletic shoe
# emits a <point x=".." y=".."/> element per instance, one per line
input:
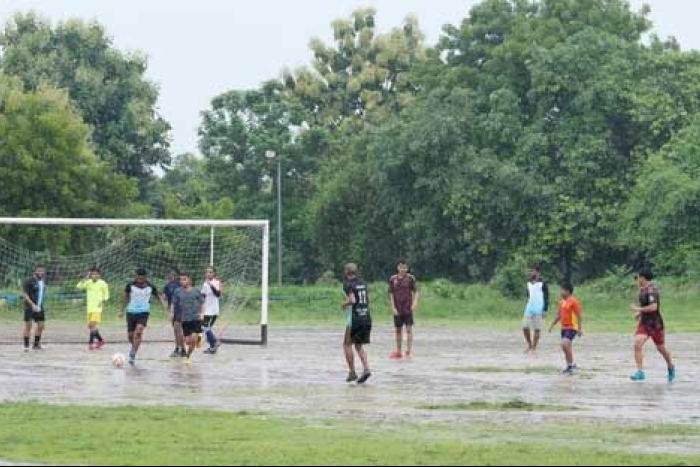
<point x="176" y="353"/>
<point x="26" y="349"/>
<point x="671" y="374"/>
<point x="638" y="376"/>
<point x="395" y="355"/>
<point x="408" y="354"/>
<point x="100" y="344"/>
<point x="132" y="357"/>
<point x="183" y="353"/>
<point x="37" y="347"/>
<point x="186" y="360"/>
<point x="93" y="346"/>
<point x="210" y="350"/>
<point x="365" y="376"/>
<point x="352" y="376"/>
<point x="569" y="370"/>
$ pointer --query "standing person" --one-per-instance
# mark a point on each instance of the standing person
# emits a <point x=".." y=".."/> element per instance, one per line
<point x="650" y="325"/>
<point x="403" y="301"/>
<point x="33" y="293"/>
<point x="137" y="304"/>
<point x="211" y="290"/>
<point x="97" y="294"/>
<point x="569" y="314"/>
<point x="190" y="302"/>
<point x="357" y="333"/>
<point x="535" y="308"/>
<point x="175" y="313"/>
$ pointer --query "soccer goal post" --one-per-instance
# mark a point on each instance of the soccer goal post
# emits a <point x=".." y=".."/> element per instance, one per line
<point x="68" y="248"/>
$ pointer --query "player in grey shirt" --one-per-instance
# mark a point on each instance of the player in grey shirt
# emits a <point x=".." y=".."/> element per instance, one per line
<point x="190" y="304"/>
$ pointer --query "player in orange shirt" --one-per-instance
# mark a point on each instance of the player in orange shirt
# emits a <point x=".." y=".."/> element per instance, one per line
<point x="570" y="317"/>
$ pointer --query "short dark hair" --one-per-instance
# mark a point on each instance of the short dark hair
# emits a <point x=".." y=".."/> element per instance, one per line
<point x="141" y="272"/>
<point x="568" y="287"/>
<point x="350" y="268"/>
<point x="646" y="273"/>
<point x="185" y="273"/>
<point x="95" y="269"/>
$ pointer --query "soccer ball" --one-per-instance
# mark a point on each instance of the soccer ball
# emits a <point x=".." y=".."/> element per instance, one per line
<point x="118" y="360"/>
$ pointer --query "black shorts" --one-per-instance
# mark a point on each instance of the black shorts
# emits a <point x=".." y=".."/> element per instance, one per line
<point x="403" y="319"/>
<point x="134" y="319"/>
<point x="360" y="332"/>
<point x="209" y="321"/>
<point x="191" y="327"/>
<point x="30" y="315"/>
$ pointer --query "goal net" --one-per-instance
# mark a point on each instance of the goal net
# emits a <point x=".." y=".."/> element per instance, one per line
<point x="69" y="248"/>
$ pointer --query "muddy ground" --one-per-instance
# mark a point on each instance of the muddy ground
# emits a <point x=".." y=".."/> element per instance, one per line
<point x="301" y="373"/>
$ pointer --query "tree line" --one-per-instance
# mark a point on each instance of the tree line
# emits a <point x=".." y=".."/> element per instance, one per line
<point x="555" y="131"/>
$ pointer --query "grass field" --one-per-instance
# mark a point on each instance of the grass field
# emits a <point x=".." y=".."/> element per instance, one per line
<point x="170" y="436"/>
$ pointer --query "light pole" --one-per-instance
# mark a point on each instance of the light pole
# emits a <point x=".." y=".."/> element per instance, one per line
<point x="273" y="155"/>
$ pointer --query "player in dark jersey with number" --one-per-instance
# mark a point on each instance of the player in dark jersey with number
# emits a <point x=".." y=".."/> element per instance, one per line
<point x="359" y="327"/>
<point x="650" y="325"/>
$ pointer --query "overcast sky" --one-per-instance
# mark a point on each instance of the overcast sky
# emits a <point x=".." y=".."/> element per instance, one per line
<point x="198" y="49"/>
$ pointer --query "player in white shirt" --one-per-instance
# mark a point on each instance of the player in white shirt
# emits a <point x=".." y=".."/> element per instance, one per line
<point x="211" y="290"/>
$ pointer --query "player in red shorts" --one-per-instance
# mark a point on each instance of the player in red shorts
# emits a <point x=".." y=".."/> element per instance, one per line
<point x="650" y="325"/>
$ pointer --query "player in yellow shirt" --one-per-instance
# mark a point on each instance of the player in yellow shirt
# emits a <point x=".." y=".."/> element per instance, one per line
<point x="97" y="292"/>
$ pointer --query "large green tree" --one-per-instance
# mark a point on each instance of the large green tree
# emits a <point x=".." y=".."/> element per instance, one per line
<point x="47" y="167"/>
<point x="107" y="86"/>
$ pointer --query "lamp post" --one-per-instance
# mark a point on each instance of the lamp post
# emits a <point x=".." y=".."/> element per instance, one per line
<point x="272" y="155"/>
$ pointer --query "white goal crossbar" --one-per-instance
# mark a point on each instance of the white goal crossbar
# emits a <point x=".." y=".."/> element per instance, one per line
<point x="212" y="223"/>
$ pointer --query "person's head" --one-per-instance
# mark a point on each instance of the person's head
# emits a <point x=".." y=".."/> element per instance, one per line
<point x="567" y="290"/>
<point x="39" y="271"/>
<point x="174" y="274"/>
<point x="644" y="276"/>
<point x="534" y="272"/>
<point x="402" y="268"/>
<point x="210" y="273"/>
<point x="185" y="279"/>
<point x="94" y="273"/>
<point x="141" y="276"/>
<point x="350" y="271"/>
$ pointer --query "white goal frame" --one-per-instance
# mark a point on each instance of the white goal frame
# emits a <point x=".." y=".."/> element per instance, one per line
<point x="211" y="223"/>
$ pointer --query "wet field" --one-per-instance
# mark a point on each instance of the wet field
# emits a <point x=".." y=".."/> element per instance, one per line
<point x="301" y="373"/>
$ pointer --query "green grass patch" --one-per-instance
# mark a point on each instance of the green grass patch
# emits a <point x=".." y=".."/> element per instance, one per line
<point x="69" y="435"/>
<point x="515" y="404"/>
<point x="441" y="302"/>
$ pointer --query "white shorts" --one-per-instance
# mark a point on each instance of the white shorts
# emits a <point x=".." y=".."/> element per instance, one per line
<point x="532" y="321"/>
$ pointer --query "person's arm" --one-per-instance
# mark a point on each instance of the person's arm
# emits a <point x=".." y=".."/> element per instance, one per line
<point x="545" y="294"/>
<point x="160" y="298"/>
<point x="392" y="304"/>
<point x="201" y="308"/>
<point x="215" y="286"/>
<point x="579" y="315"/>
<point x="174" y="302"/>
<point x="554" y="323"/>
<point x="349" y="297"/>
<point x="125" y="300"/>
<point x="653" y="303"/>
<point x="26" y="295"/>
<point x="414" y="295"/>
